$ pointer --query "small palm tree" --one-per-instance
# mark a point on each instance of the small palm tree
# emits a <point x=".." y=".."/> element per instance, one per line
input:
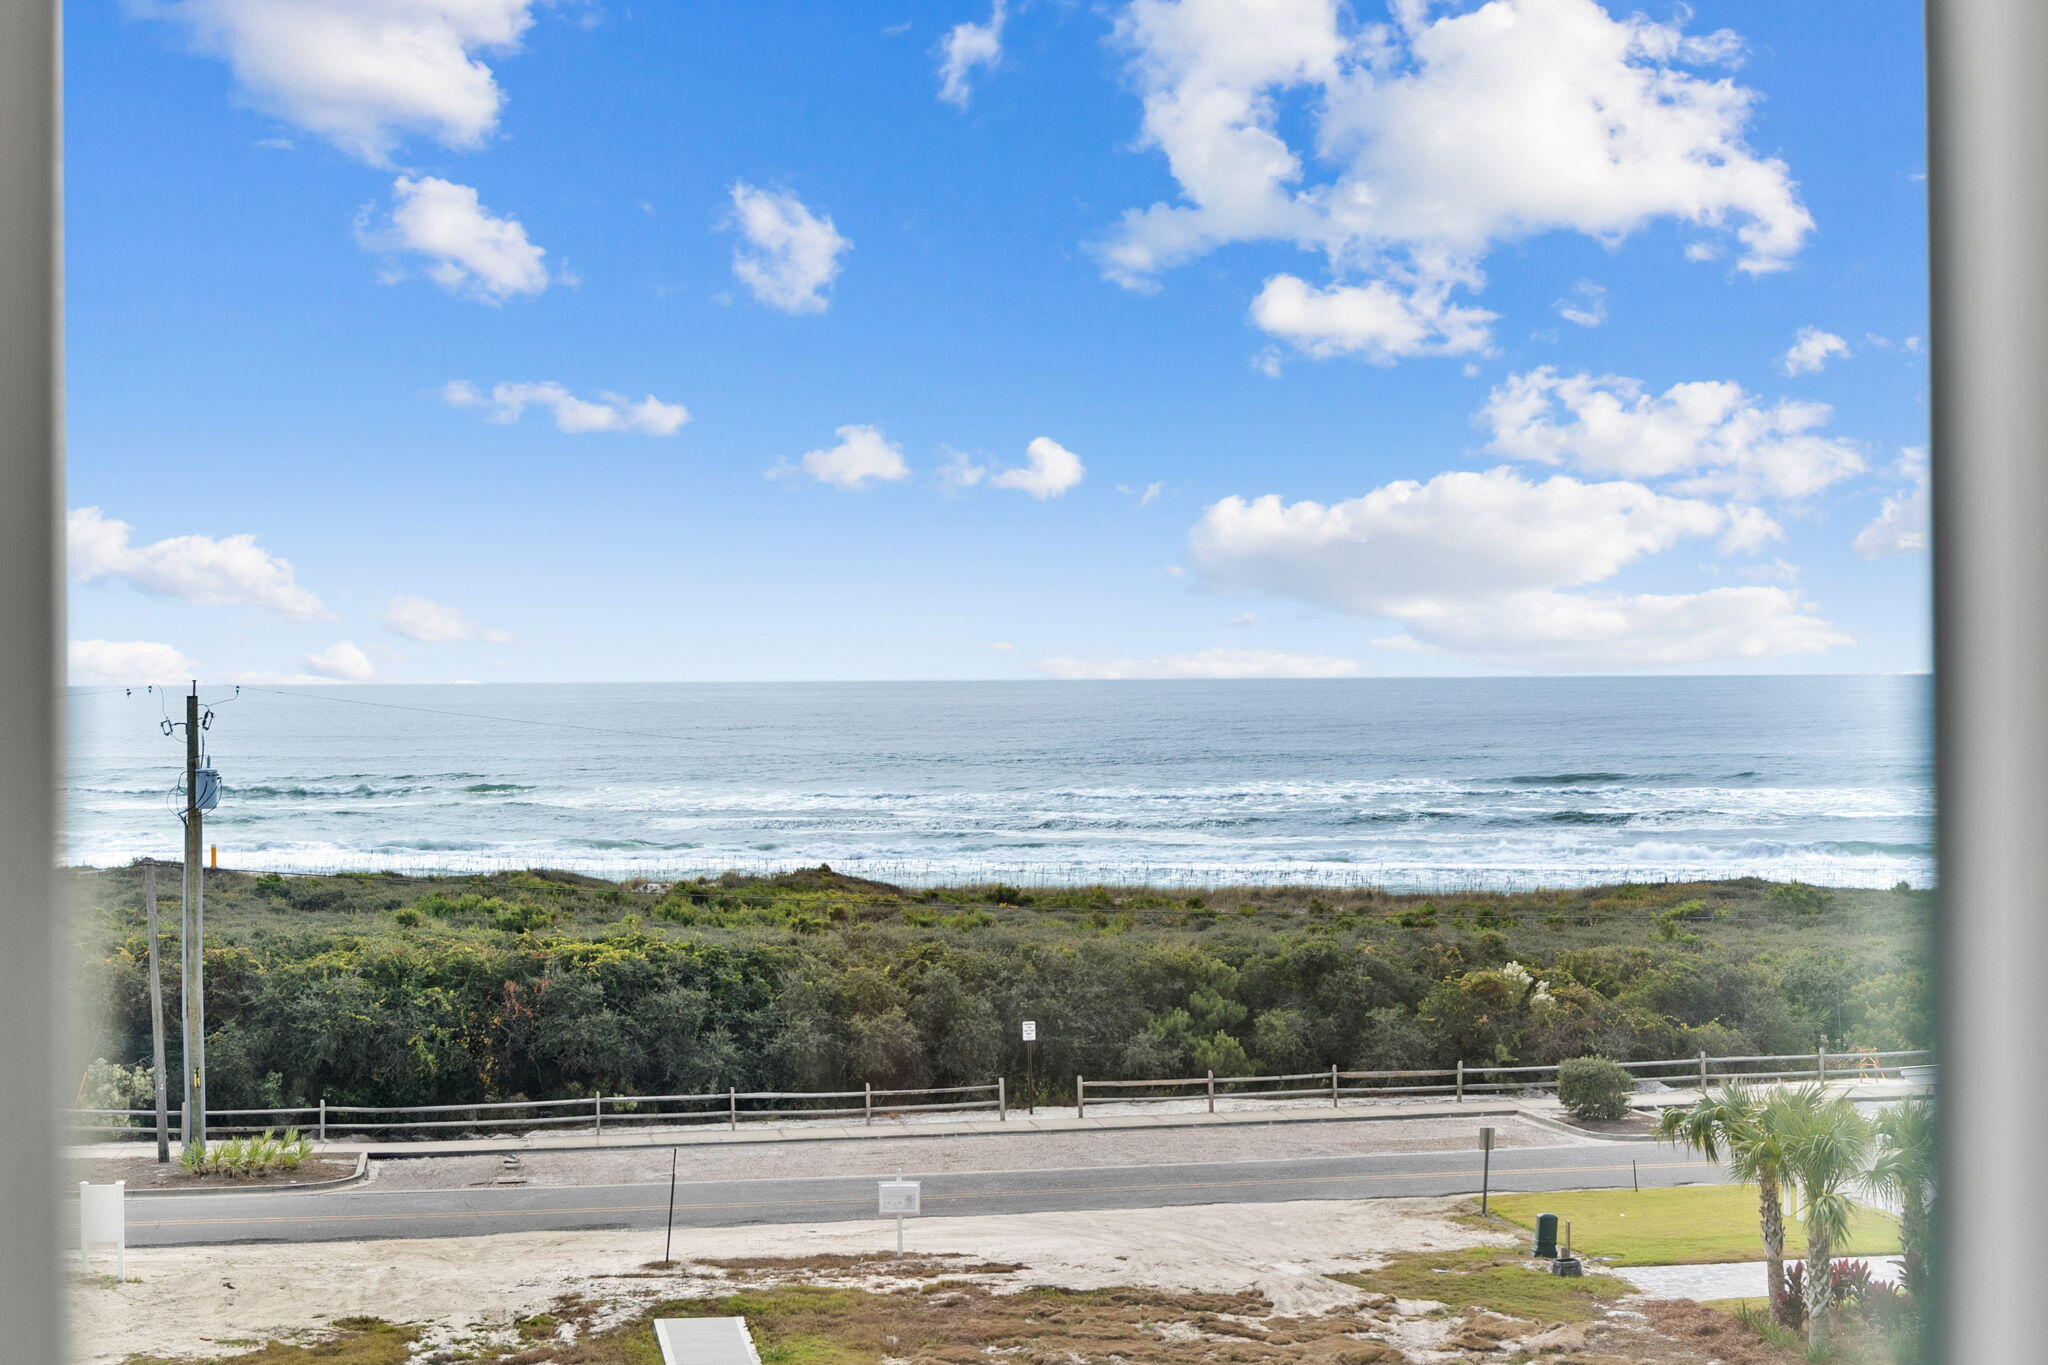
<point x="1904" y="1171"/>
<point x="1732" y="1121"/>
<point x="1827" y="1150"/>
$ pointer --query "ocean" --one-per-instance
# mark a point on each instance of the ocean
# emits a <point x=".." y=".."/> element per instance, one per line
<point x="1430" y="783"/>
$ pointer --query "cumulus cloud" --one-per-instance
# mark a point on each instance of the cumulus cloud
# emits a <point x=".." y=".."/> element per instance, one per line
<point x="1585" y="305"/>
<point x="1904" y="524"/>
<point x="467" y="250"/>
<point x="1722" y="438"/>
<point x="1430" y="141"/>
<point x="648" y="416"/>
<point x="1460" y="535"/>
<point x="128" y="662"/>
<point x="789" y="255"/>
<point x="1208" y="663"/>
<point x="1050" y="469"/>
<point x="1482" y="564"/>
<point x="429" y="622"/>
<point x="1379" y="321"/>
<point x="1599" y="632"/>
<point x="1810" y="350"/>
<point x="361" y="74"/>
<point x="863" y="456"/>
<point x="202" y="570"/>
<point x="966" y="47"/>
<point x="342" y="661"/>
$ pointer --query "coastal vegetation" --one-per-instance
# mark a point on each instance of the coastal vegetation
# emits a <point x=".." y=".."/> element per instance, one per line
<point x="384" y="990"/>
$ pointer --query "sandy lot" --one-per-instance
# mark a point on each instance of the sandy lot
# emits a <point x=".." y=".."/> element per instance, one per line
<point x="188" y="1300"/>
<point x="981" y="1152"/>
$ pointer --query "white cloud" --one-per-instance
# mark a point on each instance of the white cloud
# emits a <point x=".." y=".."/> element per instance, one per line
<point x="1904" y="524"/>
<point x="862" y="456"/>
<point x="1749" y="530"/>
<point x="128" y="663"/>
<point x="1208" y="663"/>
<point x="1480" y="564"/>
<point x="429" y="622"/>
<point x="468" y="250"/>
<point x="1378" y="321"/>
<point x="1002" y="646"/>
<point x="648" y="416"/>
<point x="1242" y="621"/>
<point x="791" y="255"/>
<point x="1590" y="632"/>
<point x="1434" y="140"/>
<point x="1585" y="305"/>
<point x="960" y="472"/>
<point x="966" y="47"/>
<point x="1810" y="350"/>
<point x="1726" y="440"/>
<point x="1050" y="470"/>
<point x="343" y="661"/>
<point x="202" y="570"/>
<point x="1460" y="535"/>
<point x="361" y="73"/>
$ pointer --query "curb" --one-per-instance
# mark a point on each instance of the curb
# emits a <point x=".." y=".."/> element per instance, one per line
<point x="361" y="1171"/>
<point x="1560" y="1126"/>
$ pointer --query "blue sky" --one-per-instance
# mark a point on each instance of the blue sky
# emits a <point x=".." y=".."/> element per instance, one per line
<point x="950" y="413"/>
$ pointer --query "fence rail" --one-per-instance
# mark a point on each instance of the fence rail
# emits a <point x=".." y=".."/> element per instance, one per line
<point x="732" y="1107"/>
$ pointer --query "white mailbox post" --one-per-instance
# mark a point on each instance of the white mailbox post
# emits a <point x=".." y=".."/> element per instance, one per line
<point x="103" y="1221"/>
<point x="899" y="1197"/>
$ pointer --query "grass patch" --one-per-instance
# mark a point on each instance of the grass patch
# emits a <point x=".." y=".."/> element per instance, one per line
<point x="353" y="1341"/>
<point x="1497" y="1279"/>
<point x="1691" y="1224"/>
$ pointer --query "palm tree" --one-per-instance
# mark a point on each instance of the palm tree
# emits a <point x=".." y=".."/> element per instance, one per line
<point x="1732" y="1121"/>
<point x="1904" y="1171"/>
<point x="1827" y="1149"/>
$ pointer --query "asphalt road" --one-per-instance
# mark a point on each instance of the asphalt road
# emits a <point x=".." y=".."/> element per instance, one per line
<point x="360" y="1212"/>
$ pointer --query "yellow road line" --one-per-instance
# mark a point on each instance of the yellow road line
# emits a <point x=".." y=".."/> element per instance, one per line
<point x="929" y="1199"/>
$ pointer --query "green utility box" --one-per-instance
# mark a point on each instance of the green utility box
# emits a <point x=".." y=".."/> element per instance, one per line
<point x="1546" y="1236"/>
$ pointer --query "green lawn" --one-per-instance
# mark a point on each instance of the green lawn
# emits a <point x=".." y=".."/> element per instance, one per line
<point x="1682" y="1226"/>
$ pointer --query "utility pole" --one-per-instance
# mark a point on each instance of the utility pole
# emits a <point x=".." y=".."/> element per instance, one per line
<point x="156" y="1017"/>
<point x="192" y="1123"/>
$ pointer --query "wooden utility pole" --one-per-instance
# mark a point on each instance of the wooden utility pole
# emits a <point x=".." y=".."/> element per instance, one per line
<point x="156" y="1017"/>
<point x="192" y="939"/>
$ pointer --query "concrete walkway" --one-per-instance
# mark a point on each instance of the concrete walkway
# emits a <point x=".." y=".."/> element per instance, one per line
<point x="1106" y="1115"/>
<point x="1734" y="1280"/>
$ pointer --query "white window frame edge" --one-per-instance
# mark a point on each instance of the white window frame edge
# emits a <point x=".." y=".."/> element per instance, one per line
<point x="1988" y="147"/>
<point x="31" y="630"/>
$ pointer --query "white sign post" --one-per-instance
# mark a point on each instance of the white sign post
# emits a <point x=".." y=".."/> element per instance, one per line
<point x="103" y="1221"/>
<point x="1030" y="1031"/>
<point x="900" y="1198"/>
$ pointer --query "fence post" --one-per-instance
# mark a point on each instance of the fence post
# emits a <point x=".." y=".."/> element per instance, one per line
<point x="732" y="1107"/>
<point x="323" y="1118"/>
<point x="1002" y="1099"/>
<point x="1212" y="1091"/>
<point x="1703" y="1073"/>
<point x="1080" y="1098"/>
<point x="1820" y="1063"/>
<point x="867" y="1101"/>
<point x="1461" y="1080"/>
<point x="597" y="1107"/>
<point x="1333" y="1085"/>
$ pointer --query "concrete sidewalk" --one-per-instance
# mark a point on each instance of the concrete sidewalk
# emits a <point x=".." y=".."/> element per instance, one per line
<point x="1543" y="1110"/>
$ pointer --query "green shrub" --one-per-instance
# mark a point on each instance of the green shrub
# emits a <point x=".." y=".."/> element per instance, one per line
<point x="1594" y="1088"/>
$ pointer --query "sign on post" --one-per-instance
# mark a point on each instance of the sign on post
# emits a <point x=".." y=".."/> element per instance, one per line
<point x="1030" y="1030"/>
<point x="899" y="1197"/>
<point x="103" y="1221"/>
<point x="1485" y="1167"/>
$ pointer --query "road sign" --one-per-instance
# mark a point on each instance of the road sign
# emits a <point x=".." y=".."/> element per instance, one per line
<point x="103" y="1221"/>
<point x="1030" y="1030"/>
<point x="1486" y="1139"/>
<point x="1485" y="1167"/>
<point x="899" y="1197"/>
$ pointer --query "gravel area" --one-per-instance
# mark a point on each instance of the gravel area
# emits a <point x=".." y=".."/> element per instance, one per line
<point x="936" y="1155"/>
